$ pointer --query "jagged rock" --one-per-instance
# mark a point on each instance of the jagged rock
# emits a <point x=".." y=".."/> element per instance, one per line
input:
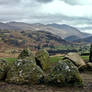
<point x="3" y="69"/>
<point x="76" y="59"/>
<point x="64" y="73"/>
<point x="42" y="59"/>
<point x="27" y="54"/>
<point x="24" y="71"/>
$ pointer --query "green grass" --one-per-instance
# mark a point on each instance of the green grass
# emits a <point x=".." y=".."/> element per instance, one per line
<point x="56" y="58"/>
<point x="10" y="60"/>
<point x="85" y="58"/>
<point x="52" y="59"/>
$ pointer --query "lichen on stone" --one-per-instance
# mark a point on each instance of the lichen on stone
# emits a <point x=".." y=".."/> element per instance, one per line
<point x="27" y="54"/>
<point x="24" y="72"/>
<point x="42" y="59"/>
<point x="65" y="73"/>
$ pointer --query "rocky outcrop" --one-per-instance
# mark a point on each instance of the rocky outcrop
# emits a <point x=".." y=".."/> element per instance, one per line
<point x="24" y="71"/>
<point x="27" y="55"/>
<point x="30" y="69"/>
<point x="65" y="73"/>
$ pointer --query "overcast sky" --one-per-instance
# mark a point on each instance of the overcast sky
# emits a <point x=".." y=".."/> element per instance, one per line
<point x="77" y="13"/>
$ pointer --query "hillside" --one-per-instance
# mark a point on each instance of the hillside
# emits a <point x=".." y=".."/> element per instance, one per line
<point x="68" y="30"/>
<point x="63" y="30"/>
<point x="34" y="39"/>
<point x="72" y="38"/>
<point x="5" y="26"/>
<point x="85" y="40"/>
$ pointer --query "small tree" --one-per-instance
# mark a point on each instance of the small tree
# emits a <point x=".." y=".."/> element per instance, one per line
<point x="90" y="57"/>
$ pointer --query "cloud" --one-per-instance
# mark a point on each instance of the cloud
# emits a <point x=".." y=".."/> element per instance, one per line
<point x="60" y="7"/>
<point x="73" y="12"/>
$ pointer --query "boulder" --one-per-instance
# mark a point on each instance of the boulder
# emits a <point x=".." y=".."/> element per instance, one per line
<point x="24" y="71"/>
<point x="3" y="69"/>
<point x="64" y="73"/>
<point x="27" y="54"/>
<point x="42" y="59"/>
<point x="76" y="59"/>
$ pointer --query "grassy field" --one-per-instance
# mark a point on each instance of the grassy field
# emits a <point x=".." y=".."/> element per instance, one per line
<point x="56" y="58"/>
<point x="10" y="60"/>
<point x="53" y="59"/>
<point x="85" y="58"/>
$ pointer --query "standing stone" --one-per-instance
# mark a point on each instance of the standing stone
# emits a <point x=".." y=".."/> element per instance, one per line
<point x="42" y="59"/>
<point x="90" y="57"/>
<point x="27" y="54"/>
<point x="65" y="73"/>
<point x="75" y="59"/>
<point x="24" y="71"/>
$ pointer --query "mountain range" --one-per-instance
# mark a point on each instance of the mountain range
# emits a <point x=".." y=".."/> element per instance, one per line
<point x="19" y="34"/>
<point x="61" y="30"/>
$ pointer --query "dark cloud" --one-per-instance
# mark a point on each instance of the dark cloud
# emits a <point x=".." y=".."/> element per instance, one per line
<point x="44" y="1"/>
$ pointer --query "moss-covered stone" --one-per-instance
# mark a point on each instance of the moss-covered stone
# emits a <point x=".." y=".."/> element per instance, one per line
<point x="3" y="69"/>
<point x="27" y="54"/>
<point x="65" y="73"/>
<point x="24" y="71"/>
<point x="42" y="59"/>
